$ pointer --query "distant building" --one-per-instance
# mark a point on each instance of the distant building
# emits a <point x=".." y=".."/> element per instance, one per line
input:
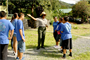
<point x="66" y="10"/>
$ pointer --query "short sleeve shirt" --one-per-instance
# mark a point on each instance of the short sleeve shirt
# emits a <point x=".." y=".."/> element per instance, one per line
<point x="59" y="26"/>
<point x="5" y="26"/>
<point x="20" y="26"/>
<point x="42" y="22"/>
<point x="14" y="22"/>
<point x="66" y="28"/>
<point x="55" y="25"/>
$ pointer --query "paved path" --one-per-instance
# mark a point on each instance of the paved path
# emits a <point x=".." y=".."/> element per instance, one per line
<point x="80" y="45"/>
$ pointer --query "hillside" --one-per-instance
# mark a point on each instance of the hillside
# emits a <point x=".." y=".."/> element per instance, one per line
<point x="65" y="5"/>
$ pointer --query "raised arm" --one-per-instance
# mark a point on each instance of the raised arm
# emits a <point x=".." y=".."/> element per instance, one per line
<point x="31" y="17"/>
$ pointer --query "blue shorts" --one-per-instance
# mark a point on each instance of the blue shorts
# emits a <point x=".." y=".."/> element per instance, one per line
<point x="21" y="46"/>
<point x="14" y="35"/>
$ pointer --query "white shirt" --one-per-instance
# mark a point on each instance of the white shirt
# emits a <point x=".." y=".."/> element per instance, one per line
<point x="42" y="22"/>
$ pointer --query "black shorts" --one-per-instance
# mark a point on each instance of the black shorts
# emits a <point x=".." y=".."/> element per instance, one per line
<point x="58" y="38"/>
<point x="55" y="35"/>
<point x="67" y="44"/>
<point x="3" y="51"/>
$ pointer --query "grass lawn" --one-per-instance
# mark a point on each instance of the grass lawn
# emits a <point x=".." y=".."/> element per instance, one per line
<point x="83" y="56"/>
<point x="31" y="36"/>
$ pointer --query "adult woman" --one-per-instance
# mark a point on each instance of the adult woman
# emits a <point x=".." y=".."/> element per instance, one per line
<point x="41" y="29"/>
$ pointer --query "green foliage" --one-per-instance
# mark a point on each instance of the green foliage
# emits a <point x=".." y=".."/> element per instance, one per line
<point x="81" y="9"/>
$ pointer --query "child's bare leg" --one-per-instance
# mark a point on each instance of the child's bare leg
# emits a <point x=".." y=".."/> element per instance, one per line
<point x="70" y="52"/>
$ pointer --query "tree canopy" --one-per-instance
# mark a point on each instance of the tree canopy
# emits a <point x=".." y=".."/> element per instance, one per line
<point x="81" y="9"/>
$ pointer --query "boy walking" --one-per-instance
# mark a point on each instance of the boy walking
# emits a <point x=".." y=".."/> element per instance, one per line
<point x="5" y="27"/>
<point x="20" y="37"/>
<point x="66" y="37"/>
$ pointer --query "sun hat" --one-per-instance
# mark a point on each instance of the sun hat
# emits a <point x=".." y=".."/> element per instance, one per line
<point x="43" y="13"/>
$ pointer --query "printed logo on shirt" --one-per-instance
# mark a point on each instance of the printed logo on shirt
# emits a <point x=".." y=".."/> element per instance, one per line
<point x="68" y="27"/>
<point x="2" y="26"/>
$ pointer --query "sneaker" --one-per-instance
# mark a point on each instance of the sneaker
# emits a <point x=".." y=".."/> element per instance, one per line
<point x="70" y="54"/>
<point x="64" y="56"/>
<point x="17" y="58"/>
<point x="61" y="51"/>
<point x="56" y="46"/>
<point x="43" y="47"/>
<point x="38" y="48"/>
<point x="15" y="54"/>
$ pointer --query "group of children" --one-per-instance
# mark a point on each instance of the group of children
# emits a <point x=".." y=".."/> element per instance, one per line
<point x="62" y="34"/>
<point x="16" y="30"/>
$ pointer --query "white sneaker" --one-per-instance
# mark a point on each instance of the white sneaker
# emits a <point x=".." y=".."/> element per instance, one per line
<point x="15" y="54"/>
<point x="56" y="46"/>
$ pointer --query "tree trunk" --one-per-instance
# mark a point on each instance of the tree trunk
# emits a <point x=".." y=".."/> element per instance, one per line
<point x="82" y="19"/>
<point x="32" y="10"/>
<point x="87" y="20"/>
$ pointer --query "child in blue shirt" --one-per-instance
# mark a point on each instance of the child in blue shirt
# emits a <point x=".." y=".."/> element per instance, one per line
<point x="20" y="36"/>
<point x="5" y="27"/>
<point x="55" y="23"/>
<point x="66" y="37"/>
<point x="14" y="22"/>
<point x="58" y="32"/>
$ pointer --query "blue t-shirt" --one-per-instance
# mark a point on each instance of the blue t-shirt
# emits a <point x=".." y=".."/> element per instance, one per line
<point x="55" y="25"/>
<point x="20" y="26"/>
<point x="5" y="26"/>
<point x="66" y="28"/>
<point x="59" y="26"/>
<point x="14" y="22"/>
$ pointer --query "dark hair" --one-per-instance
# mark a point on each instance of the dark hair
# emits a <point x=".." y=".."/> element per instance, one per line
<point x="2" y="14"/>
<point x="66" y="18"/>
<point x="61" y="18"/>
<point x="12" y="18"/>
<point x="15" y="15"/>
<point x="20" y="14"/>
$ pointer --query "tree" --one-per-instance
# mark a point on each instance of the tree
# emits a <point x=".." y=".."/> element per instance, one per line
<point x="81" y="9"/>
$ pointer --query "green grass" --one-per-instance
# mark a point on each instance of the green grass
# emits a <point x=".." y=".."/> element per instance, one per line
<point x="83" y="56"/>
<point x="31" y="36"/>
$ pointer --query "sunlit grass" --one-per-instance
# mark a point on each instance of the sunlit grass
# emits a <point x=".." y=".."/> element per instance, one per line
<point x="83" y="56"/>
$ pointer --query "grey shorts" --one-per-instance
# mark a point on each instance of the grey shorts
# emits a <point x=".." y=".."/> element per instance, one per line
<point x="21" y="46"/>
<point x="61" y="42"/>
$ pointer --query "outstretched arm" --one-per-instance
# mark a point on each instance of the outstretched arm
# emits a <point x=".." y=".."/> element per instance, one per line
<point x="31" y="17"/>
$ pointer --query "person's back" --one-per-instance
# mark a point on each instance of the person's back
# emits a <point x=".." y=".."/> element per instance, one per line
<point x="20" y="26"/>
<point x="67" y="31"/>
<point x="5" y="27"/>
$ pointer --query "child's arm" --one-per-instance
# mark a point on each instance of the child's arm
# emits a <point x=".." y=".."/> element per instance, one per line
<point x="11" y="34"/>
<point x="20" y="31"/>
